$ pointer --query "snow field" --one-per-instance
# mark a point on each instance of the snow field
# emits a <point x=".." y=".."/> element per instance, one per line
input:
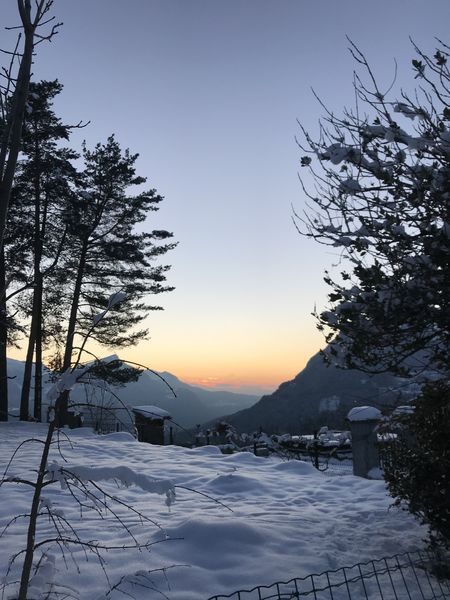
<point x="272" y="520"/>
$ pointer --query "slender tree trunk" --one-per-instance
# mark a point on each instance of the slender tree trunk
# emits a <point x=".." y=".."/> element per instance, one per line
<point x="35" y="505"/>
<point x="61" y="417"/>
<point x="31" y="534"/>
<point x="10" y="145"/>
<point x="38" y="356"/>
<point x="35" y="327"/>
<point x="74" y="308"/>
<point x="39" y="233"/>
<point x="28" y="369"/>
<point x="3" y="344"/>
<point x="9" y="152"/>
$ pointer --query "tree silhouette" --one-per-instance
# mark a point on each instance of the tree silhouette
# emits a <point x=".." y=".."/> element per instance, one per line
<point x="382" y="175"/>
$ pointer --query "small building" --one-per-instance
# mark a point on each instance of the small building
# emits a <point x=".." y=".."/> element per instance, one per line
<point x="151" y="423"/>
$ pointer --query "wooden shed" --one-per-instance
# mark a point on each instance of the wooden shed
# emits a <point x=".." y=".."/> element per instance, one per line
<point x="151" y="423"/>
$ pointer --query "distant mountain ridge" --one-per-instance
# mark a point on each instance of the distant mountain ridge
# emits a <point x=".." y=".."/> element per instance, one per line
<point x="192" y="405"/>
<point x="320" y="395"/>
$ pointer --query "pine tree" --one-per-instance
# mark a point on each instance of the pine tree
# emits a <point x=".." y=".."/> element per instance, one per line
<point x="109" y="259"/>
<point x="39" y="197"/>
<point x="14" y="93"/>
<point x="14" y="88"/>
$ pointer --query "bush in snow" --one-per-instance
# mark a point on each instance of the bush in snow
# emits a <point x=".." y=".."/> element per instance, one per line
<point x="381" y="199"/>
<point x="417" y="469"/>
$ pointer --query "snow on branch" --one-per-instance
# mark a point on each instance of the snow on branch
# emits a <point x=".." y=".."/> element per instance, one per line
<point x="113" y="300"/>
<point x="66" y="381"/>
<point x="116" y="298"/>
<point x="380" y="196"/>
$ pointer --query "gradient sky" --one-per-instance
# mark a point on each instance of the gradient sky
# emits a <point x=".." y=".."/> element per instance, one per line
<point x="208" y="92"/>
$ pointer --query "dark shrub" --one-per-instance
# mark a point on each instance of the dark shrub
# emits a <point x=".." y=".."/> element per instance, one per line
<point x="417" y="463"/>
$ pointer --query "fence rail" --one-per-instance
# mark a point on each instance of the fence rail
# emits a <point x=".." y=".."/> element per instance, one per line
<point x="332" y="461"/>
<point x="409" y="576"/>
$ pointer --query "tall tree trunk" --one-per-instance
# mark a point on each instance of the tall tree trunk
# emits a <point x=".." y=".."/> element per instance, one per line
<point x="3" y="343"/>
<point x="39" y="234"/>
<point x="34" y="513"/>
<point x="28" y="369"/>
<point x="61" y="416"/>
<point x="10" y="144"/>
<point x="36" y="311"/>
<point x="74" y="308"/>
<point x="9" y="151"/>
<point x="38" y="356"/>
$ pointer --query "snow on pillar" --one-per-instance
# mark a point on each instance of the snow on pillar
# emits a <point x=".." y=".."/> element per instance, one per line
<point x="363" y="425"/>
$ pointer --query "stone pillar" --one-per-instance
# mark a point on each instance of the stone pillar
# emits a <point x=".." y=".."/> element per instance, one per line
<point x="363" y="424"/>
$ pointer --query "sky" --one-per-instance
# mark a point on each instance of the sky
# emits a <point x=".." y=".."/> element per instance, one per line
<point x="209" y="92"/>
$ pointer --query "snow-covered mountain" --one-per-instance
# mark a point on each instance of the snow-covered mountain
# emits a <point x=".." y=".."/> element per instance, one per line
<point x="191" y="405"/>
<point x="320" y="395"/>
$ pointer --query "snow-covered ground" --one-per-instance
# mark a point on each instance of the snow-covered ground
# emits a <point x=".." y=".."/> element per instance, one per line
<point x="280" y="519"/>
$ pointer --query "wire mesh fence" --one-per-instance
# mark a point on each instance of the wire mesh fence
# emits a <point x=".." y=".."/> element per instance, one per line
<point x="331" y="462"/>
<point x="408" y="576"/>
<point x="338" y="466"/>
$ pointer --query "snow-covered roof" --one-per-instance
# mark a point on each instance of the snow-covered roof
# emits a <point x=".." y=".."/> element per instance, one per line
<point x="407" y="409"/>
<point x="150" y="411"/>
<point x="364" y="413"/>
